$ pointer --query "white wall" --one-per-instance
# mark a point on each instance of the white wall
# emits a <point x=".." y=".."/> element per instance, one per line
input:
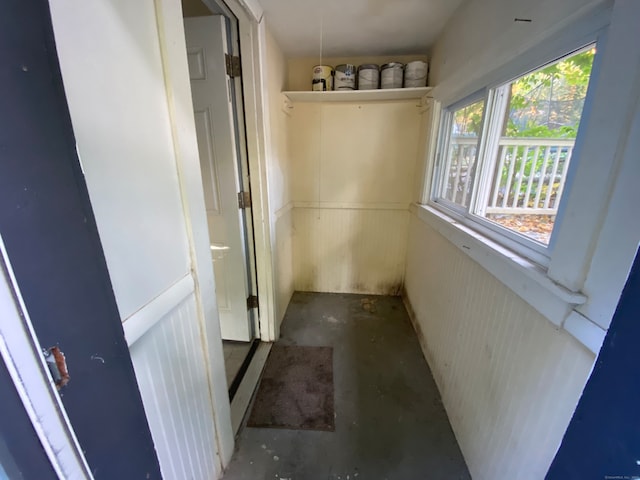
<point x="510" y="380"/>
<point x="279" y="175"/>
<point x="126" y="149"/>
<point x="482" y="36"/>
<point x="125" y="75"/>
<point x="353" y="169"/>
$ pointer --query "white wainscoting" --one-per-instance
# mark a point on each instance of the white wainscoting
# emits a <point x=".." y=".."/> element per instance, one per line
<point x="509" y="379"/>
<point x="172" y="378"/>
<point x="144" y="319"/>
<point x="349" y="250"/>
<point x="283" y="260"/>
<point x="353" y="167"/>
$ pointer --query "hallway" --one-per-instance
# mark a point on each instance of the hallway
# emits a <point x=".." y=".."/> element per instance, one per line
<point x="390" y="422"/>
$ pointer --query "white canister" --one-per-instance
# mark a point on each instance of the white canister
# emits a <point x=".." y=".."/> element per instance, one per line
<point x="415" y="74"/>
<point x="345" y="77"/>
<point x="391" y="75"/>
<point x="368" y="77"/>
<point x="322" y="80"/>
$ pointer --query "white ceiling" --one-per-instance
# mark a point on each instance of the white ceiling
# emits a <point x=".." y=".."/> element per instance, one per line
<point x="357" y="27"/>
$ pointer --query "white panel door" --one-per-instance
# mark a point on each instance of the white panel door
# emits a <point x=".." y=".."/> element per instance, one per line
<point x="206" y="48"/>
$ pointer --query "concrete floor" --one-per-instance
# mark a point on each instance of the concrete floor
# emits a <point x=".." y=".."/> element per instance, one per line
<point x="390" y="422"/>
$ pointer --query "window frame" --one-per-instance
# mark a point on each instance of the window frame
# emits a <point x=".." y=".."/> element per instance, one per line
<point x="444" y="142"/>
<point x="595" y="241"/>
<point x="524" y="246"/>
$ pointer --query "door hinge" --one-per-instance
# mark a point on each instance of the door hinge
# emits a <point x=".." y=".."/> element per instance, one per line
<point x="233" y="65"/>
<point x="252" y="302"/>
<point x="57" y="365"/>
<point x="244" y="200"/>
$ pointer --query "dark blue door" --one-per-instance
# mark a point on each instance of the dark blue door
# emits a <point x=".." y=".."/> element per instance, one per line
<point x="52" y="241"/>
<point x="603" y="438"/>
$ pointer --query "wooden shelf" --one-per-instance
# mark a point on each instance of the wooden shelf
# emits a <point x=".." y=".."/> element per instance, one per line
<point x="359" y="95"/>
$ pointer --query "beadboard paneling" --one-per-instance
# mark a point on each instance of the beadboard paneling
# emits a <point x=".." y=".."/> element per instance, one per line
<point x="279" y="174"/>
<point x="172" y="378"/>
<point x="349" y="250"/>
<point x="354" y="152"/>
<point x="509" y="379"/>
<point x="283" y="260"/>
<point x="353" y="167"/>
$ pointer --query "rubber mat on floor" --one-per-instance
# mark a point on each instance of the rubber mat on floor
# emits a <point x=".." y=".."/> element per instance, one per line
<point x="296" y="390"/>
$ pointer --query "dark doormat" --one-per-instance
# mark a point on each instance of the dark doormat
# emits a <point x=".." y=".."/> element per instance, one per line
<point x="296" y="390"/>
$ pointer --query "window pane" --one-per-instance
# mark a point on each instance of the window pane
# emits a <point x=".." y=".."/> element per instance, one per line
<point x="460" y="162"/>
<point x="532" y="154"/>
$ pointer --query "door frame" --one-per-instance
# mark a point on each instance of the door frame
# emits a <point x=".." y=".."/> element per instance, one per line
<point x="218" y="7"/>
<point x="254" y="88"/>
<point x="173" y="52"/>
<point x="256" y="119"/>
<point x="224" y="170"/>
<point x="251" y="93"/>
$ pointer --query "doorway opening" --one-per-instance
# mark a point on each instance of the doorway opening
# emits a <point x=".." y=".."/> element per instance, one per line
<point x="213" y="48"/>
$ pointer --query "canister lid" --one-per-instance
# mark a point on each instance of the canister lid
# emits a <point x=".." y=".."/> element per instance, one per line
<point x="392" y="65"/>
<point x="369" y="66"/>
<point x="322" y="70"/>
<point x="346" y="67"/>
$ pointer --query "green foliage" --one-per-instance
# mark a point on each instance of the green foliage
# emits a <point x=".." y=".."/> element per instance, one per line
<point x="468" y="120"/>
<point x="548" y="102"/>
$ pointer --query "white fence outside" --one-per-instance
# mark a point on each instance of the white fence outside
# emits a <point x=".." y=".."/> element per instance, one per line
<point x="529" y="174"/>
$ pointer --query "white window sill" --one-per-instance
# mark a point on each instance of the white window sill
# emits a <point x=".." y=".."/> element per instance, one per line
<point x="528" y="280"/>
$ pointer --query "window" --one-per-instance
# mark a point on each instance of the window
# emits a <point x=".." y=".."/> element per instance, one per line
<point x="462" y="151"/>
<point x="504" y="153"/>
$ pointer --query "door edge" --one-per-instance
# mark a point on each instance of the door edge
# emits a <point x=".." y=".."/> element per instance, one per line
<point x="22" y="354"/>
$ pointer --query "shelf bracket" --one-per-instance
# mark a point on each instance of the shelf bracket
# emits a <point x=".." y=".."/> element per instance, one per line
<point x="425" y="103"/>
<point x="286" y="106"/>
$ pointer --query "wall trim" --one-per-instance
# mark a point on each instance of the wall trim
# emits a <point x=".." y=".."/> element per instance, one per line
<point x="340" y="206"/>
<point x="491" y="252"/>
<point x="527" y="280"/>
<point x="352" y="205"/>
<point x="282" y="211"/>
<point x="256" y="101"/>
<point x="585" y="331"/>
<point x="252" y="8"/>
<point x="140" y="322"/>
